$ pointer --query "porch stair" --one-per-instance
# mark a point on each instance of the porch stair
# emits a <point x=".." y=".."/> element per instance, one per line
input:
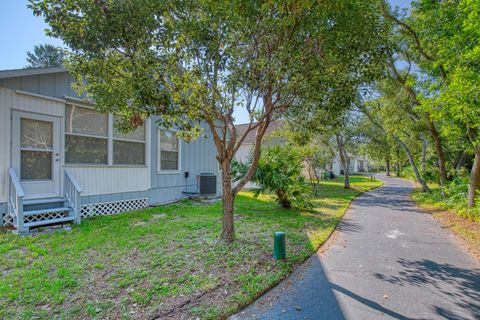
<point x="30" y="213"/>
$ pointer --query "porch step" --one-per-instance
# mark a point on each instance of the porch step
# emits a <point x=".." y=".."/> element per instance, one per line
<point x="43" y="201"/>
<point x="44" y="211"/>
<point x="45" y="222"/>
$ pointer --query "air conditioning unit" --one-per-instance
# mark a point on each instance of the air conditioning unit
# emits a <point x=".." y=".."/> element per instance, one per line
<point x="207" y="184"/>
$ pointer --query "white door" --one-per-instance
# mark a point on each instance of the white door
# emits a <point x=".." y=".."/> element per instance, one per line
<point x="36" y="153"/>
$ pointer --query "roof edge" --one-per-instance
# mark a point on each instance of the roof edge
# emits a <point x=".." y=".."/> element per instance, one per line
<point x="13" y="73"/>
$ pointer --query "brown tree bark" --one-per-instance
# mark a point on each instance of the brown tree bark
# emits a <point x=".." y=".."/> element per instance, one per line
<point x="344" y="161"/>
<point x="227" y="141"/>
<point x="397" y="164"/>
<point x="228" y="198"/>
<point x="440" y="153"/>
<point x="419" y="178"/>
<point x="474" y="182"/>
<point x="424" y="154"/>
<point x="387" y="166"/>
<point x="460" y="161"/>
<point x="283" y="199"/>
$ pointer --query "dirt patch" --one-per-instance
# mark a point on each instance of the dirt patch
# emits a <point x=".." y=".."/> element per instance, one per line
<point x="467" y="231"/>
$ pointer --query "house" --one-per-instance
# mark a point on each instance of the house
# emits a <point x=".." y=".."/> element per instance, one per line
<point x="247" y="145"/>
<point x="63" y="161"/>
<point x="358" y="164"/>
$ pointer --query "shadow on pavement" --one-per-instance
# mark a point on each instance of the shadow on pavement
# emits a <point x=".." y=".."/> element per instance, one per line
<point x="441" y="278"/>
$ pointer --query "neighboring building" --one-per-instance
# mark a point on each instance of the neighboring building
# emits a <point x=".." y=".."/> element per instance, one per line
<point x="247" y="145"/>
<point x="53" y="143"/>
<point x="358" y="164"/>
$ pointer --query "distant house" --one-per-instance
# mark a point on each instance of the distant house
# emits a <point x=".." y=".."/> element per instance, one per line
<point x="358" y="164"/>
<point x="62" y="161"/>
<point x="247" y="145"/>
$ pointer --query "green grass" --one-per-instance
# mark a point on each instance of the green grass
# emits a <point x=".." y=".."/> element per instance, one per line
<point x="165" y="261"/>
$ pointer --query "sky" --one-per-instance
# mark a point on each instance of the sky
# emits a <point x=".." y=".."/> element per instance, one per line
<point x="20" y="31"/>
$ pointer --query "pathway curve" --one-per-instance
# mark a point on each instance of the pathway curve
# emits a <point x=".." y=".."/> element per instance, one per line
<point x="388" y="260"/>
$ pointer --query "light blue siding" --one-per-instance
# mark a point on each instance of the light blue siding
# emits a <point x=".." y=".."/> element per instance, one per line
<point x="113" y="197"/>
<point x="197" y="157"/>
<point x="57" y="85"/>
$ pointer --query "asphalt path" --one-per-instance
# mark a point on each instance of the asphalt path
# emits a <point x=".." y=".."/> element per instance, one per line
<point x="387" y="260"/>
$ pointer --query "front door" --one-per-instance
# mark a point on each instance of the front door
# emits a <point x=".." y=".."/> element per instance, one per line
<point x="36" y="153"/>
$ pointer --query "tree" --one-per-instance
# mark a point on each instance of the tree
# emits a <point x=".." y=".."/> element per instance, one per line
<point x="192" y="61"/>
<point x="45" y="55"/>
<point x="451" y="63"/>
<point x="390" y="114"/>
<point x="279" y="171"/>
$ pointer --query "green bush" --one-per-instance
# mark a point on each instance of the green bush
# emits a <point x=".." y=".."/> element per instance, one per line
<point x="278" y="172"/>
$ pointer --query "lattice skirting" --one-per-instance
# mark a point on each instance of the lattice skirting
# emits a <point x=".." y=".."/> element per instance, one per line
<point x="113" y="207"/>
<point x="89" y="210"/>
<point x="7" y="220"/>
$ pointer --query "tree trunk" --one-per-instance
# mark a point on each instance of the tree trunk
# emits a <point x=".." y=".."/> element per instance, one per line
<point x="440" y="154"/>
<point x="228" y="198"/>
<point x="414" y="167"/>
<point x="343" y="161"/>
<point x="283" y="199"/>
<point x="424" y="154"/>
<point x="461" y="160"/>
<point x="474" y="182"/>
<point x="387" y="166"/>
<point x="347" y="175"/>
<point x="397" y="165"/>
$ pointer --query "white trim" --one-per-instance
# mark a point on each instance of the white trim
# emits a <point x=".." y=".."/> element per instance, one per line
<point x="110" y="140"/>
<point x="80" y="102"/>
<point x="36" y="95"/>
<point x="159" y="152"/>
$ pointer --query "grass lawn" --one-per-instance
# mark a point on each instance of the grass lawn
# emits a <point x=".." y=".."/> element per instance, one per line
<point x="453" y="215"/>
<point x="163" y="262"/>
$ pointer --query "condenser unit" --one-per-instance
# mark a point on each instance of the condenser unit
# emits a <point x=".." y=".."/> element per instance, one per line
<point x="207" y="184"/>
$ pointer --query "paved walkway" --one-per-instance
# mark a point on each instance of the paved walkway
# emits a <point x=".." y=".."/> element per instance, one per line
<point x="388" y="260"/>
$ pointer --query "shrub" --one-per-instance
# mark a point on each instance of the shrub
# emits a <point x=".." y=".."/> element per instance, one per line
<point x="278" y="172"/>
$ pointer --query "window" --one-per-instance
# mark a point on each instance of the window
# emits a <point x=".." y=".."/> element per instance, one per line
<point x="36" y="148"/>
<point x="129" y="148"/>
<point x="86" y="136"/>
<point x="169" y="151"/>
<point x="90" y="139"/>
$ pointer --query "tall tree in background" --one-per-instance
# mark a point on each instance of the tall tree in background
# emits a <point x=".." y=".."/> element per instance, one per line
<point x="443" y="39"/>
<point x="391" y="114"/>
<point x="44" y="55"/>
<point x="191" y="61"/>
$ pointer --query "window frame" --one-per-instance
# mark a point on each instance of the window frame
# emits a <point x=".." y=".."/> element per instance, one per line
<point x="109" y="138"/>
<point x="159" y="154"/>
<point x="111" y="119"/>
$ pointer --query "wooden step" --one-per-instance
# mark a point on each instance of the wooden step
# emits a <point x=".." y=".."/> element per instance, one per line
<point x="43" y="201"/>
<point x="45" y="211"/>
<point x="45" y="222"/>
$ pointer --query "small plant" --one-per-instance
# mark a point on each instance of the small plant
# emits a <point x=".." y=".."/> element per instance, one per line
<point x="279" y="172"/>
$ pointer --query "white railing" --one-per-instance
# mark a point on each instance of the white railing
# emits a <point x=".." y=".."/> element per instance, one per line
<point x="72" y="192"/>
<point x="15" y="200"/>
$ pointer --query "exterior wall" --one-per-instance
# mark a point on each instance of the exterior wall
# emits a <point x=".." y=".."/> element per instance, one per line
<point x="111" y="179"/>
<point x="198" y="156"/>
<point x="243" y="152"/>
<point x="94" y="180"/>
<point x="10" y="100"/>
<point x="119" y="185"/>
<point x="57" y="85"/>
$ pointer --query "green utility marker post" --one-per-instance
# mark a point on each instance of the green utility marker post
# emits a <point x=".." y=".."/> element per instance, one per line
<point x="279" y="245"/>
